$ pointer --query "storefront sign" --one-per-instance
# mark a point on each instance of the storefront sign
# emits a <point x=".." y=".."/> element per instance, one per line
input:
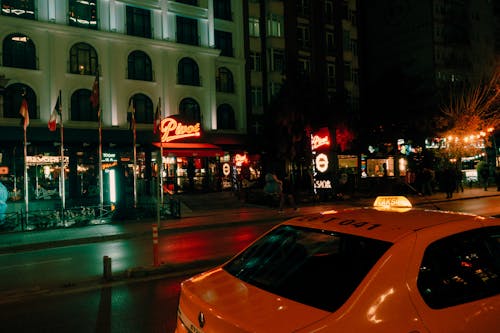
<point x="322" y="163"/>
<point x="239" y="160"/>
<point x="322" y="184"/>
<point x="172" y="130"/>
<point x="4" y="170"/>
<point x="109" y="157"/>
<point x="317" y="142"/>
<point x="226" y="169"/>
<point x="44" y="160"/>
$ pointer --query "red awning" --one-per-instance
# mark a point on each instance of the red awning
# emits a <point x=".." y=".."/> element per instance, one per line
<point x="190" y="149"/>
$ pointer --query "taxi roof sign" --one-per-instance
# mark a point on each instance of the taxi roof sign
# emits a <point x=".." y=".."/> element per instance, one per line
<point x="394" y="203"/>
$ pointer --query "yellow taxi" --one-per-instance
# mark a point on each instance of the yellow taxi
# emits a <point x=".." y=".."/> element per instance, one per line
<point x="386" y="268"/>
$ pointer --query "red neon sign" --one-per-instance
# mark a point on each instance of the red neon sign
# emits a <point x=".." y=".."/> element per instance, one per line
<point x="172" y="130"/>
<point x="318" y="141"/>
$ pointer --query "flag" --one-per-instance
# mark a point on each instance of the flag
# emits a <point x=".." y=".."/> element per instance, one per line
<point x="55" y="116"/>
<point x="156" y="120"/>
<point x="131" y="115"/>
<point x="23" y="111"/>
<point x="94" y="96"/>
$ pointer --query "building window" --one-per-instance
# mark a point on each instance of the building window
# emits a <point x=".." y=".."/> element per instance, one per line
<point x="275" y="26"/>
<point x="188" y="72"/>
<point x="81" y="109"/>
<point x="83" y="59"/>
<point x="330" y="42"/>
<point x="188" y="2"/>
<point x="347" y="71"/>
<point x="187" y="30"/>
<point x="189" y="110"/>
<point x="225" y="117"/>
<point x="224" y="80"/>
<point x="304" y="66"/>
<point x="256" y="96"/>
<point x="138" y="22"/>
<point x="255" y="61"/>
<point x="355" y="76"/>
<point x="13" y="97"/>
<point x="304" y="8"/>
<point x="222" y="9"/>
<point x="224" y="42"/>
<point x="274" y="89"/>
<point x="277" y="60"/>
<point x="329" y="11"/>
<point x="354" y="46"/>
<point x="303" y="37"/>
<point x="19" y="8"/>
<point x="331" y="74"/>
<point x="139" y="66"/>
<point x="254" y="27"/>
<point x="18" y="51"/>
<point x="346" y="40"/>
<point x="143" y="109"/>
<point x="83" y="13"/>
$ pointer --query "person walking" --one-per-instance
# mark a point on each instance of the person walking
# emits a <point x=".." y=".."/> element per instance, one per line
<point x="497" y="177"/>
<point x="484" y="173"/>
<point x="288" y="193"/>
<point x="448" y="181"/>
<point x="273" y="186"/>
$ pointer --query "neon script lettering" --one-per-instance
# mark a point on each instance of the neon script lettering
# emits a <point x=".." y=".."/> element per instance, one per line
<point x="318" y="141"/>
<point x="173" y="130"/>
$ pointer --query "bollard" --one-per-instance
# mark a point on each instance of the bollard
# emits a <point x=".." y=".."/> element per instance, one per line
<point x="106" y="265"/>
<point x="155" y="245"/>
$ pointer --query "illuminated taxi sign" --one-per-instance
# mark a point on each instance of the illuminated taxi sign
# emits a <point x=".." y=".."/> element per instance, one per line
<point x="172" y="130"/>
<point x="392" y="203"/>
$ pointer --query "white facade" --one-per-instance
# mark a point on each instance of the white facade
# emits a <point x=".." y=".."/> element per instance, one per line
<point x="53" y="39"/>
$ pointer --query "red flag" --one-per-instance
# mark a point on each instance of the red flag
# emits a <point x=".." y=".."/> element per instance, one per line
<point x="55" y="115"/>
<point x="131" y="115"/>
<point x="23" y="111"/>
<point x="94" y="97"/>
<point x="157" y="119"/>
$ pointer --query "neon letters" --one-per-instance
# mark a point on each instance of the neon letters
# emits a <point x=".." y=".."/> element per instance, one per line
<point x="172" y="130"/>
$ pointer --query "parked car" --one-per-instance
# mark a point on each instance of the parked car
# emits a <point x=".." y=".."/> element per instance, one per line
<point x="386" y="268"/>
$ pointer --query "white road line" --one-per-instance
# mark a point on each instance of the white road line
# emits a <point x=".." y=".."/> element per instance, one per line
<point x="28" y="264"/>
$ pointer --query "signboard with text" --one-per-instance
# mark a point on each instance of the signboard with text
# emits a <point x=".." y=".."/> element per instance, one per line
<point x="322" y="160"/>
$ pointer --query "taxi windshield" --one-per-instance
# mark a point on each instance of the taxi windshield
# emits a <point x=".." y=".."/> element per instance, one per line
<point x="315" y="267"/>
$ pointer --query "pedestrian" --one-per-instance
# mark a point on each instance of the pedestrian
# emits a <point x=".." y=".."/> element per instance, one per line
<point x="460" y="175"/>
<point x="273" y="186"/>
<point x="427" y="179"/>
<point x="448" y="181"/>
<point x="483" y="173"/>
<point x="497" y="177"/>
<point x="288" y="193"/>
<point x="4" y="195"/>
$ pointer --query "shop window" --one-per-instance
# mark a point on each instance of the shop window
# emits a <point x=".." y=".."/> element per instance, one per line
<point x="13" y="97"/>
<point x="81" y="109"/>
<point x="18" y="51"/>
<point x="224" y="80"/>
<point x="188" y="72"/>
<point x="224" y="42"/>
<point x="225" y="117"/>
<point x="19" y="8"/>
<point x="143" y="109"/>
<point x="83" y="59"/>
<point x="83" y="14"/>
<point x="139" y="66"/>
<point x="187" y="30"/>
<point x="379" y="167"/>
<point x="255" y="61"/>
<point x="189" y="110"/>
<point x="222" y="9"/>
<point x="138" y="22"/>
<point x="254" y="27"/>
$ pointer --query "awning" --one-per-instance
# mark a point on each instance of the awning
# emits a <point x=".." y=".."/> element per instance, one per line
<point x="190" y="149"/>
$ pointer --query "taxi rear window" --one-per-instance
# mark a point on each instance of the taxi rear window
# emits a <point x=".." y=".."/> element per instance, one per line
<point x="314" y="267"/>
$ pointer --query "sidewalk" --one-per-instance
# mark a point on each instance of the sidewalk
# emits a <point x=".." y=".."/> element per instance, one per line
<point x="199" y="211"/>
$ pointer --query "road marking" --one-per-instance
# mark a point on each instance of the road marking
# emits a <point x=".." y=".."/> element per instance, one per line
<point x="28" y="264"/>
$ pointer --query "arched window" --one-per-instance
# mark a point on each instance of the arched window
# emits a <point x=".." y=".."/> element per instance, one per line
<point x="188" y="72"/>
<point x="81" y="110"/>
<point x="19" y="8"/>
<point x="225" y="117"/>
<point x="139" y="66"/>
<point x="19" y="51"/>
<point x="13" y="97"/>
<point x="143" y="109"/>
<point x="83" y="13"/>
<point x="189" y="110"/>
<point x="83" y="59"/>
<point x="224" y="80"/>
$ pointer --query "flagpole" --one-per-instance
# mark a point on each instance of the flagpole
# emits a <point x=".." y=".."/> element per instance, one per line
<point x="135" y="163"/>
<point x="101" y="185"/>
<point x="63" y="185"/>
<point x="26" y="176"/>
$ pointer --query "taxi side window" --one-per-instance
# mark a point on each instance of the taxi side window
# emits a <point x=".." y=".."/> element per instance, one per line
<point x="461" y="268"/>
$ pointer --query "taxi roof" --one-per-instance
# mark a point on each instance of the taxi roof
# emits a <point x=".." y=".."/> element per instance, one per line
<point x="381" y="224"/>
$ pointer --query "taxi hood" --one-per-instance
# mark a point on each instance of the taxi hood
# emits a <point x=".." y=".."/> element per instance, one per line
<point x="216" y="301"/>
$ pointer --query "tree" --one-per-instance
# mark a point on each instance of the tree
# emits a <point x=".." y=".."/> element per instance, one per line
<point x="471" y="117"/>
